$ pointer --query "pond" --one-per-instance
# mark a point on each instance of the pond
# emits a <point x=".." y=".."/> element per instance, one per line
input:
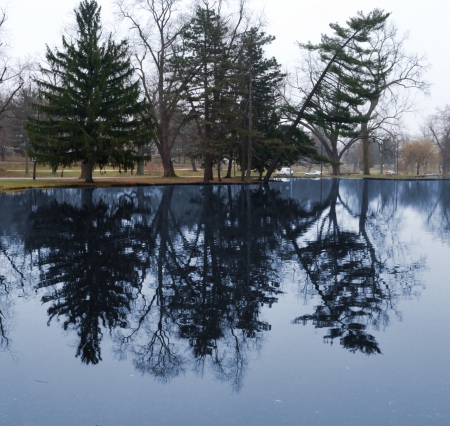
<point x="305" y="302"/>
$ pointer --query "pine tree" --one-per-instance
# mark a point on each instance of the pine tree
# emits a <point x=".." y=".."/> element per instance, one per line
<point x="333" y="113"/>
<point x="206" y="66"/>
<point x="90" y="108"/>
<point x="260" y="78"/>
<point x="342" y="71"/>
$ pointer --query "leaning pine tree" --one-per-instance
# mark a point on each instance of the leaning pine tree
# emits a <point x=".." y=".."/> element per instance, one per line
<point x="90" y="108"/>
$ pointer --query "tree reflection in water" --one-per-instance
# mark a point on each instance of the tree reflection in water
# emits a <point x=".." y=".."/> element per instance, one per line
<point x="5" y="304"/>
<point x="213" y="272"/>
<point x="356" y="275"/>
<point x="178" y="275"/>
<point x="90" y="264"/>
<point x="190" y="269"/>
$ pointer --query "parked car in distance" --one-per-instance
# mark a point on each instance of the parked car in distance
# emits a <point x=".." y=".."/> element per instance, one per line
<point x="285" y="171"/>
<point x="390" y="172"/>
<point x="314" y="173"/>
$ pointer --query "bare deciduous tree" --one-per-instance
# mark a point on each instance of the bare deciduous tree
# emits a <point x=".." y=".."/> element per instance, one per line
<point x="438" y="128"/>
<point x="156" y="26"/>
<point x="10" y="73"/>
<point x="396" y="73"/>
<point x="10" y="84"/>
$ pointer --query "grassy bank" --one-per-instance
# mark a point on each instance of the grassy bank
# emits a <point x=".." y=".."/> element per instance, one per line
<point x="7" y="185"/>
<point x="14" y="178"/>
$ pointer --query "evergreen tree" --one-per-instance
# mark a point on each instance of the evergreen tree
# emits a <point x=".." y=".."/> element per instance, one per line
<point x="90" y="108"/>
<point x="333" y="116"/>
<point x="333" y="112"/>
<point x="341" y="83"/>
<point x="207" y="67"/>
<point x="261" y="77"/>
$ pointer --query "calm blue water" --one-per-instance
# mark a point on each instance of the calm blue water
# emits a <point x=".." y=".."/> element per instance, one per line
<point x="311" y="302"/>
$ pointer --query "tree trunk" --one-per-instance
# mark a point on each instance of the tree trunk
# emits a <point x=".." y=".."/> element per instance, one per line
<point x="250" y="125"/>
<point x="194" y="168"/>
<point x="249" y="160"/>
<point x="381" y="162"/>
<point x="334" y="157"/>
<point x="167" y="164"/>
<point x="140" y="168"/>
<point x="163" y="147"/>
<point x="366" y="147"/>
<point x="336" y="170"/>
<point x="273" y="164"/>
<point x="230" y="166"/>
<point x="208" y="174"/>
<point x="243" y="162"/>
<point x="140" y="163"/>
<point x="27" y="167"/>
<point x="86" y="171"/>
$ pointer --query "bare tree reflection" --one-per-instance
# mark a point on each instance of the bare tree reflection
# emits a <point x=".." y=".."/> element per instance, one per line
<point x="4" y="307"/>
<point x="437" y="209"/>
<point x="212" y="276"/>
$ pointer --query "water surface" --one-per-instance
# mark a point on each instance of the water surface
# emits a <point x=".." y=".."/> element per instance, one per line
<point x="315" y="302"/>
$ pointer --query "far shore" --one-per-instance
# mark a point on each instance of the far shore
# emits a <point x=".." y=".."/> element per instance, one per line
<point x="14" y="177"/>
<point x="22" y="184"/>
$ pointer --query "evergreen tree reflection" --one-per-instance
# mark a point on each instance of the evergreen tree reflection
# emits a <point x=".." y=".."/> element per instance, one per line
<point x="89" y="265"/>
<point x="357" y="288"/>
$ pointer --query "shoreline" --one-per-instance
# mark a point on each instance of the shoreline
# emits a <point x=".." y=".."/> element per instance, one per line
<point x="23" y="184"/>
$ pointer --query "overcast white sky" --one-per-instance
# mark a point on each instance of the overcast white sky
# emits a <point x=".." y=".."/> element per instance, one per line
<point x="33" y="23"/>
